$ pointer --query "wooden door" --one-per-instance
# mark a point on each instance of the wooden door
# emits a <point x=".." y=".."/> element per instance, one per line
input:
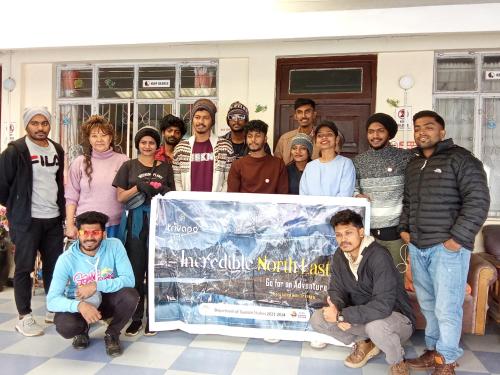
<point x="347" y="99"/>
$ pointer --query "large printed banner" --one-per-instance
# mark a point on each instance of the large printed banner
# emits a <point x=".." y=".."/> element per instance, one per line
<point x="251" y="265"/>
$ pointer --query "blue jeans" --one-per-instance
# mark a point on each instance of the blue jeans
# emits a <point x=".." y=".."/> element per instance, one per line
<point x="439" y="277"/>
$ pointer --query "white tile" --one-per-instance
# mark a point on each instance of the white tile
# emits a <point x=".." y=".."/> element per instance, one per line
<point x="176" y="372"/>
<point x="486" y="343"/>
<point x="331" y="352"/>
<point x="266" y="364"/>
<point x="149" y="355"/>
<point x="469" y="362"/>
<point x="219" y="342"/>
<point x="39" y="346"/>
<point x="56" y="366"/>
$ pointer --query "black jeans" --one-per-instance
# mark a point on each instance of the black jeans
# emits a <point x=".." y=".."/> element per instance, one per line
<point x="46" y="236"/>
<point x="137" y="251"/>
<point x="118" y="305"/>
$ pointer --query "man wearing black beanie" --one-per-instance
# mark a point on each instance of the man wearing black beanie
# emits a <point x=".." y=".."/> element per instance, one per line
<point x="380" y="179"/>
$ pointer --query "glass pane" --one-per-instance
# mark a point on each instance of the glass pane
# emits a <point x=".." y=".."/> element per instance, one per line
<point x="458" y="115"/>
<point x="199" y="81"/>
<point x="185" y="114"/>
<point x="116" y="82"/>
<point x="117" y="113"/>
<point x="456" y="74"/>
<point x="491" y="150"/>
<point x="156" y="82"/>
<point x="491" y="74"/>
<point x="326" y="81"/>
<point x="71" y="117"/>
<point x="76" y="83"/>
<point x="151" y="114"/>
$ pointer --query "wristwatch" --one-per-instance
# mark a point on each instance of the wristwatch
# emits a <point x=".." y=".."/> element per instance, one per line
<point x="340" y="317"/>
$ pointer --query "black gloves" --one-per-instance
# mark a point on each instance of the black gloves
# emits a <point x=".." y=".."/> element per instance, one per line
<point x="147" y="189"/>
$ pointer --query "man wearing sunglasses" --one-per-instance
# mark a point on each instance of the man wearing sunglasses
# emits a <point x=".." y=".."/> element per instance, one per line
<point x="93" y="280"/>
<point x="237" y="119"/>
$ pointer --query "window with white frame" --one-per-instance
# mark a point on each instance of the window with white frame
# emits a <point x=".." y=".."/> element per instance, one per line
<point x="130" y="95"/>
<point x="467" y="95"/>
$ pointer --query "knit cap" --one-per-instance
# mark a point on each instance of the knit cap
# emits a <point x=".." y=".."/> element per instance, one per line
<point x="31" y="112"/>
<point x="237" y="108"/>
<point x="387" y="121"/>
<point x="204" y="104"/>
<point x="304" y="140"/>
<point x="144" y="131"/>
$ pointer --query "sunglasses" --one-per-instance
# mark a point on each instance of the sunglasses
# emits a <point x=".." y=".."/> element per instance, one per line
<point x="236" y="117"/>
<point x="90" y="233"/>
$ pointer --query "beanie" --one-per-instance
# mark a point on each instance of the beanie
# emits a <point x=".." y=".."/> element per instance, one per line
<point x="144" y="131"/>
<point x="31" y="112"/>
<point x="304" y="140"/>
<point x="237" y="108"/>
<point x="204" y="104"/>
<point x="387" y="121"/>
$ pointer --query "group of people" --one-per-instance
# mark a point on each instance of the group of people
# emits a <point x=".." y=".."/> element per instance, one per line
<point x="433" y="198"/>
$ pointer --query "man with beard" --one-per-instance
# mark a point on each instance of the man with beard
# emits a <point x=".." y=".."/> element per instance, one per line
<point x="258" y="172"/>
<point x="380" y="179"/>
<point x="172" y="129"/>
<point x="445" y="203"/>
<point x="305" y="114"/>
<point x="237" y="118"/>
<point x="202" y="162"/>
<point x="31" y="187"/>
<point x="367" y="303"/>
<point x="93" y="280"/>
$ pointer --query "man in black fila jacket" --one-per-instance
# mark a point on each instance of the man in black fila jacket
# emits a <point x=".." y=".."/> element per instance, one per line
<point x="445" y="202"/>
<point x="367" y="303"/>
<point x="31" y="187"/>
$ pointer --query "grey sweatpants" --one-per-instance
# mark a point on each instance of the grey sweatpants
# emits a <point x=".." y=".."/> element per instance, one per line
<point x="387" y="334"/>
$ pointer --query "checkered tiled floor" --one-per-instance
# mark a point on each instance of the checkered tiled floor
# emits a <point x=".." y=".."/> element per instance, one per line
<point x="180" y="353"/>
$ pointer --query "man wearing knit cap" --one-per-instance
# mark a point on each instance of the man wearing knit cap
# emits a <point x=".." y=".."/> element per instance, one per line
<point x="202" y="162"/>
<point x="31" y="187"/>
<point x="237" y="118"/>
<point x="380" y="179"/>
<point x="305" y="115"/>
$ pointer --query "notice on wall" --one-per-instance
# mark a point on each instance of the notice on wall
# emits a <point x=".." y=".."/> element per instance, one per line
<point x="153" y="83"/>
<point x="249" y="265"/>
<point x="492" y="75"/>
<point x="8" y="133"/>
<point x="403" y="117"/>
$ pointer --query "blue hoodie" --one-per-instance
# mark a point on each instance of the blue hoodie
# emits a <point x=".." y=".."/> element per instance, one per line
<point x="73" y="268"/>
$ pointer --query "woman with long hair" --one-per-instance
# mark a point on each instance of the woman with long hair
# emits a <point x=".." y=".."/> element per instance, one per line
<point x="89" y="186"/>
<point x="137" y="181"/>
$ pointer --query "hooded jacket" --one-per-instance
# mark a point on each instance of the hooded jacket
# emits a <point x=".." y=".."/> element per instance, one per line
<point x="445" y="196"/>
<point x="110" y="268"/>
<point x="377" y="292"/>
<point x="16" y="182"/>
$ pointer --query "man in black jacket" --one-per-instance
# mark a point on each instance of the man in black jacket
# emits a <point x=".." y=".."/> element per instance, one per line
<point x="31" y="187"/>
<point x="445" y="202"/>
<point x="367" y="303"/>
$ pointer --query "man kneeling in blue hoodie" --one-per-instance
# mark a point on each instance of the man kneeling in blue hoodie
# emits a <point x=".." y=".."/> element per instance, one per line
<point x="93" y="280"/>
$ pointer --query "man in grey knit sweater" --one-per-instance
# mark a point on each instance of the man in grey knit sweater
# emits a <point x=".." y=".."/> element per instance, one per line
<point x="380" y="175"/>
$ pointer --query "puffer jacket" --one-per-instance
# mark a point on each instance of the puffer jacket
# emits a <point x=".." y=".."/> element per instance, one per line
<point x="445" y="196"/>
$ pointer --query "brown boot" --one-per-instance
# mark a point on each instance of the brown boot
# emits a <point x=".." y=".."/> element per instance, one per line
<point x="442" y="368"/>
<point x="400" y="368"/>
<point x="362" y="351"/>
<point x="424" y="362"/>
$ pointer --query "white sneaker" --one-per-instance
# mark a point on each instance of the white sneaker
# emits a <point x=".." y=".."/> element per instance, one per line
<point x="318" y="344"/>
<point x="49" y="317"/>
<point x="28" y="327"/>
<point x="270" y="340"/>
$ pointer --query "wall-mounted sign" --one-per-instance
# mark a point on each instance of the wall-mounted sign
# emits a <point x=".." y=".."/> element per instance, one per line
<point x="491" y="74"/>
<point x="403" y="117"/>
<point x="155" y="83"/>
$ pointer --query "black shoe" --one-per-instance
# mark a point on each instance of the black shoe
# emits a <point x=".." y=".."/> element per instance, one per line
<point x="81" y="341"/>
<point x="134" y="328"/>
<point x="147" y="332"/>
<point x="113" y="347"/>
